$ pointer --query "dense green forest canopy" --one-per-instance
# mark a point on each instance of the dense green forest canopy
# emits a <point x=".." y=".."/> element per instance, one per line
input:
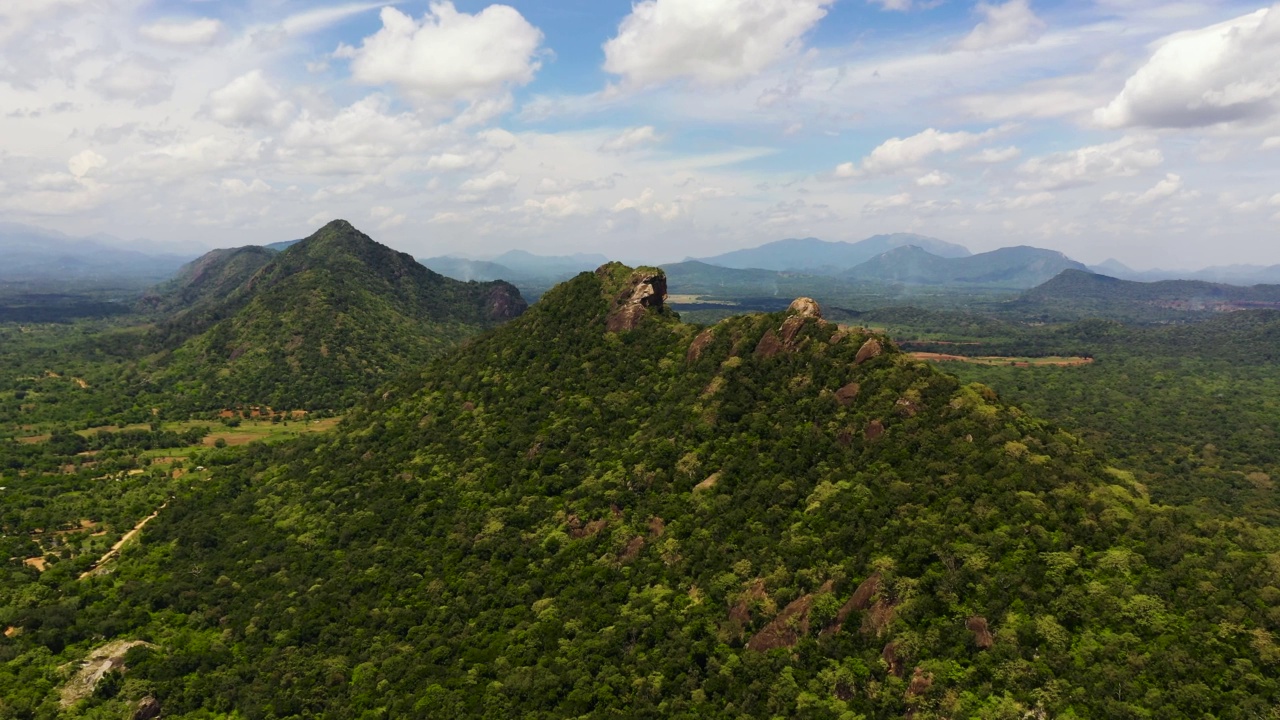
<point x="596" y="510"/>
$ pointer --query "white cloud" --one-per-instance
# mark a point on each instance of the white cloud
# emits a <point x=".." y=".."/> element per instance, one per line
<point x="494" y="181"/>
<point x="1271" y="143"/>
<point x="85" y="162"/>
<point x="646" y="204"/>
<point x="249" y="100"/>
<point x="394" y="221"/>
<point x="183" y="32"/>
<point x="364" y="137"/>
<point x="886" y="203"/>
<point x="934" y="179"/>
<point x="135" y="78"/>
<point x="1017" y="202"/>
<point x="558" y="206"/>
<point x="993" y="156"/>
<point x="1168" y="187"/>
<point x="235" y="187"/>
<point x="1087" y="165"/>
<point x="1003" y="25"/>
<point x="1223" y="73"/>
<point x="449" y="56"/>
<point x="708" y="41"/>
<point x="630" y="139"/>
<point x="310" y="21"/>
<point x="898" y="154"/>
<point x="441" y="218"/>
<point x="894" y="5"/>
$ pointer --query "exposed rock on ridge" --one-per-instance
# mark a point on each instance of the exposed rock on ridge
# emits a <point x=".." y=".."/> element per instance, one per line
<point x="645" y="289"/>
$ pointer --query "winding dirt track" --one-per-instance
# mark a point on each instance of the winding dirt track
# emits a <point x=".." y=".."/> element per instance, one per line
<point x="115" y="549"/>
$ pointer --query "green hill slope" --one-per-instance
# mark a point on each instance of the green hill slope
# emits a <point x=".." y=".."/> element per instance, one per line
<point x="207" y="280"/>
<point x="598" y="511"/>
<point x="320" y="323"/>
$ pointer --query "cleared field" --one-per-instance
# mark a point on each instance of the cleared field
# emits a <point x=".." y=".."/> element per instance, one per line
<point x="1055" y="361"/>
<point x="246" y="432"/>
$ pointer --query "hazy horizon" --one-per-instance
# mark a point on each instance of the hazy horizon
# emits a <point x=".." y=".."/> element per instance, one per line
<point x="1128" y="129"/>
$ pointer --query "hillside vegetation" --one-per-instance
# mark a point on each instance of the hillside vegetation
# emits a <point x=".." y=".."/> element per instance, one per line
<point x="317" y="325"/>
<point x="598" y="511"/>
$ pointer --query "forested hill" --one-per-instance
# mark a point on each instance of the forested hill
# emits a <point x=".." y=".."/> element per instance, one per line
<point x="598" y="511"/>
<point x="1074" y="295"/>
<point x="207" y="280"/>
<point x="317" y="325"/>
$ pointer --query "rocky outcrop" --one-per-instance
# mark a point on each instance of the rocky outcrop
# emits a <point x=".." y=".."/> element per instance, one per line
<point x="645" y="289"/>
<point x="870" y="349"/>
<point x="94" y="667"/>
<point x="805" y="307"/>
<point x="981" y="633"/>
<point x="848" y="393"/>
<point x="788" y="626"/>
<point x="787" y="338"/>
<point x="874" y="431"/>
<point x="504" y="302"/>
<point x="700" y="343"/>
<point x="892" y="658"/>
<point x="148" y="709"/>
<point x="709" y="483"/>
<point x="769" y="345"/>
<point x="861" y="598"/>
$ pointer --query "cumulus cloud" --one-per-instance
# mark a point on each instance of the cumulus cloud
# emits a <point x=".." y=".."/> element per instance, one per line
<point x="993" y="156"/>
<point x="235" y="187"/>
<point x="557" y="206"/>
<point x="647" y="204"/>
<point x="492" y="182"/>
<point x="898" y="154"/>
<point x="1003" y="25"/>
<point x="448" y="56"/>
<point x="1223" y="73"/>
<point x="250" y="99"/>
<point x="1168" y="187"/>
<point x="630" y="139"/>
<point x="895" y="5"/>
<point x="886" y="203"/>
<point x="183" y="32"/>
<point x="1017" y="202"/>
<point x="362" y="137"/>
<point x="85" y="162"/>
<point x="135" y="78"/>
<point x="1125" y="157"/>
<point x="934" y="179"/>
<point x="708" y="41"/>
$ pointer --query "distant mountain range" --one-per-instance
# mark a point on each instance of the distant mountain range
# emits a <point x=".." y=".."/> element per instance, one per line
<point x="820" y="257"/>
<point x="1230" y="274"/>
<point x="1015" y="268"/>
<point x="531" y="273"/>
<point x="1011" y="267"/>
<point x="31" y="253"/>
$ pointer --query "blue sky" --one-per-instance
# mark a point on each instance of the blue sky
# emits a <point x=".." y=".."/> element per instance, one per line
<point x="651" y="131"/>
